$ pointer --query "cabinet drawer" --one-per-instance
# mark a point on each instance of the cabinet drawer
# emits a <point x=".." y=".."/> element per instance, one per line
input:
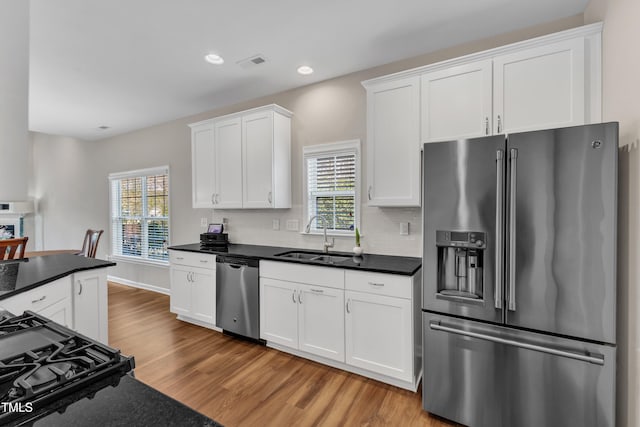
<point x="377" y="283"/>
<point x="39" y="298"/>
<point x="192" y="259"/>
<point x="301" y="273"/>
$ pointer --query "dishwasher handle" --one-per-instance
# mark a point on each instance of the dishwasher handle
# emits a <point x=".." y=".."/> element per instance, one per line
<point x="237" y="262"/>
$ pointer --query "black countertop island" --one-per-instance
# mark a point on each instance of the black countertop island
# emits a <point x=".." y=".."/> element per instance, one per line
<point x="402" y="265"/>
<point x="21" y="275"/>
<point x="131" y="403"/>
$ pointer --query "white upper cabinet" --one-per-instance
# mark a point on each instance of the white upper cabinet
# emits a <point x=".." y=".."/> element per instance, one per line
<point x="266" y="151"/>
<point x="228" y="155"/>
<point x="547" y="82"/>
<point x="539" y="88"/>
<point x="247" y="163"/>
<point x="456" y="102"/>
<point x="393" y="142"/>
<point x="202" y="157"/>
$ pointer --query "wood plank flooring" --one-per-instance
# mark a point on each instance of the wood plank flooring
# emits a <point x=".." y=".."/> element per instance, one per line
<point x="239" y="383"/>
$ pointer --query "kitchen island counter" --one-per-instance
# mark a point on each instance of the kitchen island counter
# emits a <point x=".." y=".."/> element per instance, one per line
<point x="130" y="403"/>
<point x="17" y="276"/>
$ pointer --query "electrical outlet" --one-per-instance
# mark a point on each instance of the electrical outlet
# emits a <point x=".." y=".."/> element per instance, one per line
<point x="292" y="225"/>
<point x="404" y="228"/>
<point x="204" y="222"/>
<point x="276" y="224"/>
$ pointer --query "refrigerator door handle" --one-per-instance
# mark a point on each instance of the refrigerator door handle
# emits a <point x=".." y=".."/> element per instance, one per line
<point x="499" y="271"/>
<point x="596" y="359"/>
<point x="512" y="229"/>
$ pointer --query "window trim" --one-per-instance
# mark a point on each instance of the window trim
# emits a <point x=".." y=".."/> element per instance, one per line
<point x="158" y="170"/>
<point x="331" y="148"/>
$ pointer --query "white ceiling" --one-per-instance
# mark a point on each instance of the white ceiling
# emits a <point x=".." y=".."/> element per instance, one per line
<point x="129" y="64"/>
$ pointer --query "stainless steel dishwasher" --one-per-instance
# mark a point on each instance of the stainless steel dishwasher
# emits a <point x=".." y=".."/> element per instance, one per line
<point x="238" y="295"/>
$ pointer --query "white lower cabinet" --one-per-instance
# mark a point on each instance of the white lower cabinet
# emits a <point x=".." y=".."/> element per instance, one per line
<point x="278" y="312"/>
<point x="60" y="312"/>
<point x="367" y="323"/>
<point x="193" y="287"/>
<point x="78" y="301"/>
<point x="304" y="317"/>
<point x="378" y="334"/>
<point x="89" y="295"/>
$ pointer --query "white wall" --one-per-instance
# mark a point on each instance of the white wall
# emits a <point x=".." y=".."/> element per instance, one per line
<point x="14" y="95"/>
<point x="76" y="198"/>
<point x="621" y="102"/>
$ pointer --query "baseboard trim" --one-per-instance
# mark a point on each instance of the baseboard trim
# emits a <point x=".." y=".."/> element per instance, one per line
<point x="139" y="285"/>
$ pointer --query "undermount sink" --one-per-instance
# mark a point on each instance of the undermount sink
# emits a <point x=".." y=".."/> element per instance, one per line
<point x="314" y="256"/>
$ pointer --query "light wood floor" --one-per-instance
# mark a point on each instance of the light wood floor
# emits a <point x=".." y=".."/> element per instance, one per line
<point x="239" y="383"/>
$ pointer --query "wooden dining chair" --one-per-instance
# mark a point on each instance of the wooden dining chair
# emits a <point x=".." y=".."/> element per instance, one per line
<point x="13" y="248"/>
<point x="90" y="244"/>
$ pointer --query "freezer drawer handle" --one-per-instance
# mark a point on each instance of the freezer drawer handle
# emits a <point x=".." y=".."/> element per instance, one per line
<point x="597" y="360"/>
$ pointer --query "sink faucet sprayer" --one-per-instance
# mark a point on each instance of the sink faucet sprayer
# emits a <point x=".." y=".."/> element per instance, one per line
<point x="325" y="245"/>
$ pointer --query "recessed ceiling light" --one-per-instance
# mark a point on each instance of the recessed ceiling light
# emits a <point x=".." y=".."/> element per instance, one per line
<point x="305" y="70"/>
<point x="214" y="59"/>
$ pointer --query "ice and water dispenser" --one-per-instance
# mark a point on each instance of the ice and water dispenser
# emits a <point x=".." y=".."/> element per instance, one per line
<point x="460" y="261"/>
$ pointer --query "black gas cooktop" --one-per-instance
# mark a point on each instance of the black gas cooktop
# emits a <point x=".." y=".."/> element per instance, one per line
<point x="44" y="367"/>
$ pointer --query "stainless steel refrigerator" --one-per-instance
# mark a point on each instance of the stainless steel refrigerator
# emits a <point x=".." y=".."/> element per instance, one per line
<point x="519" y="278"/>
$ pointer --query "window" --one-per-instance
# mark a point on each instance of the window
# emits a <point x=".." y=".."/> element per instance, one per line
<point x="140" y="214"/>
<point x="332" y="174"/>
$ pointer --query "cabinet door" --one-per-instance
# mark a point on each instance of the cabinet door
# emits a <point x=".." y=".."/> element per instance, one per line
<point x="257" y="155"/>
<point x="393" y="143"/>
<point x="378" y="334"/>
<point x="228" y="164"/>
<point x="321" y="321"/>
<point x="60" y="312"/>
<point x="180" y="290"/>
<point x="456" y="102"/>
<point x="279" y="312"/>
<point x="202" y="171"/>
<point x="540" y="88"/>
<point x="90" y="316"/>
<point x="203" y="295"/>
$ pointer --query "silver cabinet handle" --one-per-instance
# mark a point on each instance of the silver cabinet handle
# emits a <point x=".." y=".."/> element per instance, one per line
<point x="204" y="261"/>
<point x="499" y="278"/>
<point x="499" y="124"/>
<point x="294" y="296"/>
<point x="348" y="307"/>
<point x="376" y="284"/>
<point x="300" y="297"/>
<point x="80" y="283"/>
<point x="269" y="197"/>
<point x="217" y="198"/>
<point x="179" y="258"/>
<point x="213" y="198"/>
<point x="596" y="359"/>
<point x="318" y="291"/>
<point x="486" y="125"/>
<point x="512" y="229"/>
<point x="39" y="299"/>
<point x="369" y="193"/>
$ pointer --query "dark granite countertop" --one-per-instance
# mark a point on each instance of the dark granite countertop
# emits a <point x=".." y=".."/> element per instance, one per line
<point x="21" y="275"/>
<point x="131" y="403"/>
<point x="367" y="262"/>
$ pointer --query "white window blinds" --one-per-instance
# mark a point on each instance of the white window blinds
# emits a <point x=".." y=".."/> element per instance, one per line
<point x="140" y="214"/>
<point x="331" y="186"/>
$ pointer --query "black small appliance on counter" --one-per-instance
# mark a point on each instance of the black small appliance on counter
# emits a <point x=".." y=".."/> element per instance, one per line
<point x="214" y="238"/>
